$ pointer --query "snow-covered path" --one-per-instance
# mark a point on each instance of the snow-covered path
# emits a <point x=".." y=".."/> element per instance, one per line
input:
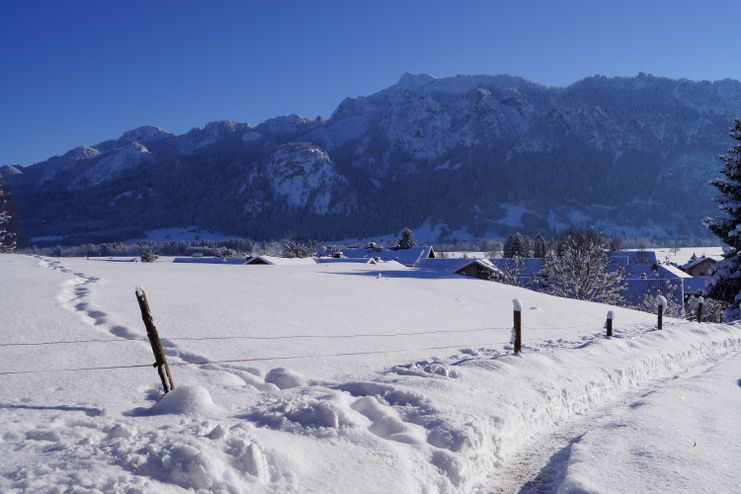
<point x="541" y="467"/>
<point x="682" y="437"/>
<point x="421" y="394"/>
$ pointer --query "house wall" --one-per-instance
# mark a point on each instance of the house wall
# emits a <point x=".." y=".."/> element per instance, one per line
<point x="702" y="268"/>
<point x="475" y="271"/>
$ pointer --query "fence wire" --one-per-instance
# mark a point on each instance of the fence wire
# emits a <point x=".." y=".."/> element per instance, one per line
<point x="250" y="359"/>
<point x="301" y="336"/>
<point x="285" y="357"/>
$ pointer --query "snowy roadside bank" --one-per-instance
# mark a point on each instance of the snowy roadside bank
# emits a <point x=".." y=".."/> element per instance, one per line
<point x="683" y="437"/>
<point x="497" y="405"/>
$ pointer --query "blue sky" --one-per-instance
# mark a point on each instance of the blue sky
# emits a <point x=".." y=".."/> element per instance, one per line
<point x="78" y="72"/>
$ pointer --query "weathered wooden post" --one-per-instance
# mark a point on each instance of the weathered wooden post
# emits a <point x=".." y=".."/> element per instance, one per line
<point x="517" y="328"/>
<point x="160" y="360"/>
<point x="608" y="323"/>
<point x="660" y="303"/>
<point x="700" y="303"/>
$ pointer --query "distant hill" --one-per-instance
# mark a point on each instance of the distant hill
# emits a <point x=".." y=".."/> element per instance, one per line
<point x="467" y="155"/>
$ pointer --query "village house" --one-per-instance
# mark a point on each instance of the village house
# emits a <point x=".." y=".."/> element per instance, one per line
<point x="699" y="266"/>
<point x="279" y="261"/>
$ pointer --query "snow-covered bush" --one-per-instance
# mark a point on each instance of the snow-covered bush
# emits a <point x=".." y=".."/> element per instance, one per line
<point x="712" y="310"/>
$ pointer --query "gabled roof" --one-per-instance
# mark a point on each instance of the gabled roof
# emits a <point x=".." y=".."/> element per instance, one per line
<point x="281" y="261"/>
<point x="484" y="263"/>
<point x="331" y="260"/>
<point x="692" y="263"/>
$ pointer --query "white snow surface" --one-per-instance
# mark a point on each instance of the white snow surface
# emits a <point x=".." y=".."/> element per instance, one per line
<point x="683" y="255"/>
<point x="684" y="437"/>
<point x="329" y="378"/>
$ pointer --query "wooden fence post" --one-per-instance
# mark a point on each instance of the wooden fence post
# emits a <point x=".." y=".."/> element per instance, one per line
<point x="700" y="303"/>
<point x="160" y="360"/>
<point x="608" y="323"/>
<point x="517" y="328"/>
<point x="660" y="303"/>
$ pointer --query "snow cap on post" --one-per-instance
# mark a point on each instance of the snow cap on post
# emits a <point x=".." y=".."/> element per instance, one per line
<point x="516" y="305"/>
<point x="610" y="315"/>
<point x="701" y="300"/>
<point x="660" y="300"/>
<point x="139" y="291"/>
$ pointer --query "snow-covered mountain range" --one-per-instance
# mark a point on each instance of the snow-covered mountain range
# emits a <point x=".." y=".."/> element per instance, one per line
<point x="478" y="154"/>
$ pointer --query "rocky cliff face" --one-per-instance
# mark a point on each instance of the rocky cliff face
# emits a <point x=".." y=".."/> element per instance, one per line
<point x="480" y="154"/>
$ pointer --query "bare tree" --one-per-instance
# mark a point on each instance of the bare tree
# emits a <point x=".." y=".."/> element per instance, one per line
<point x="293" y="248"/>
<point x="8" y="236"/>
<point x="579" y="268"/>
<point x="671" y="291"/>
<point x="148" y="256"/>
<point x="511" y="271"/>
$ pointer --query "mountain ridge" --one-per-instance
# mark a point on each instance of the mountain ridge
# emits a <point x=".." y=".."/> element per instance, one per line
<point x="615" y="151"/>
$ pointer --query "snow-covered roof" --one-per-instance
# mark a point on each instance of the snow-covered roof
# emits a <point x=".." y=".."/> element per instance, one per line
<point x="407" y="257"/>
<point x="330" y="260"/>
<point x="636" y="289"/>
<point x="531" y="267"/>
<point x="695" y="284"/>
<point x="484" y="263"/>
<point x="281" y="261"/>
<point x="210" y="260"/>
<point x="630" y="257"/>
<point x="672" y="271"/>
<point x="447" y="265"/>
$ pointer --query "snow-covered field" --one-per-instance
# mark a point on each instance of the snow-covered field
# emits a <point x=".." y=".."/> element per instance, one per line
<point x="348" y="378"/>
<point x="682" y="255"/>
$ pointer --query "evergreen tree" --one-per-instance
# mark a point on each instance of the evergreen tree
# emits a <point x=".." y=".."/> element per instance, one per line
<point x="518" y="245"/>
<point x="507" y="249"/>
<point x="407" y="239"/>
<point x="541" y="247"/>
<point x="8" y="237"/>
<point x="726" y="282"/>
